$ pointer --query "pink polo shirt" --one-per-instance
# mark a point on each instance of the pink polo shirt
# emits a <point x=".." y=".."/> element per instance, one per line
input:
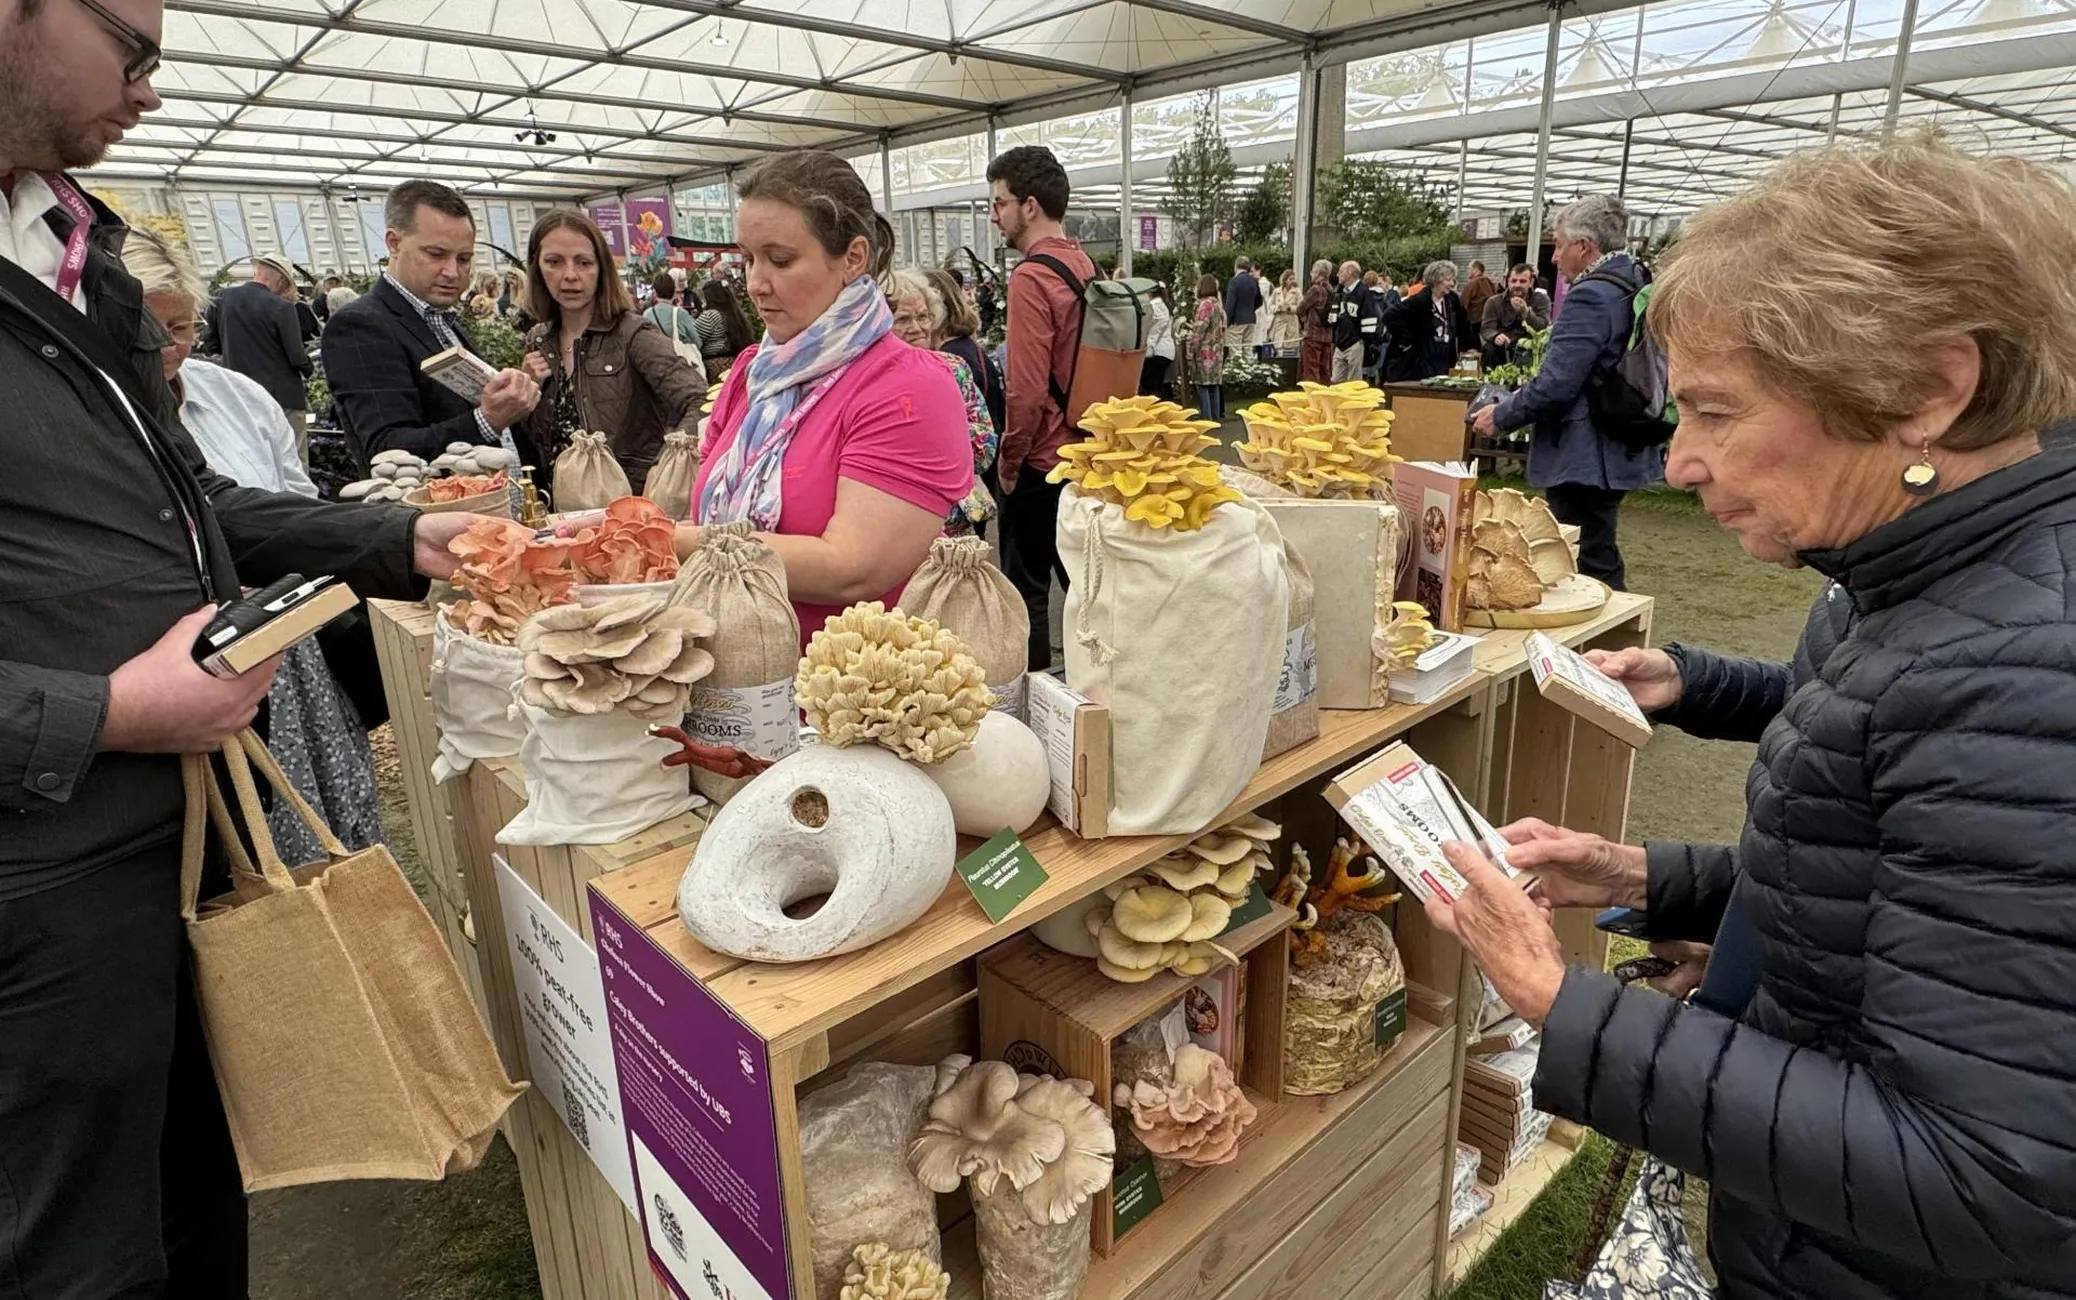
<point x="895" y="422"/>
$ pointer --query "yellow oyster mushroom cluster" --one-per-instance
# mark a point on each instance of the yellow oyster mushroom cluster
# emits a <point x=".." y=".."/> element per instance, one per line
<point x="1402" y="634"/>
<point x="1167" y="917"/>
<point x="637" y="655"/>
<point x="879" y="1272"/>
<point x="1324" y="440"/>
<point x="1142" y="455"/>
<point x="875" y="674"/>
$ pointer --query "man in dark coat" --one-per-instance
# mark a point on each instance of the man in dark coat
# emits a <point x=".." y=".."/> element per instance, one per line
<point x="374" y="344"/>
<point x="1584" y="474"/>
<point x="1243" y="300"/>
<point x="260" y="336"/>
<point x="117" y="1177"/>
<point x="1427" y="331"/>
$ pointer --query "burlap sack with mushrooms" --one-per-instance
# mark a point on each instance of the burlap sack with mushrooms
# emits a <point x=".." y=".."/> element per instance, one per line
<point x="670" y="479"/>
<point x="746" y="702"/>
<point x="587" y="477"/>
<point x="959" y="588"/>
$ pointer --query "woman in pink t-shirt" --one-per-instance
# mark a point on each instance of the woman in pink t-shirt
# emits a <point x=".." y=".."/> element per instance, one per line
<point x="844" y="446"/>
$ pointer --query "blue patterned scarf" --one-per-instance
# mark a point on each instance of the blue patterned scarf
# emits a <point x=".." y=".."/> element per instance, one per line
<point x="747" y="482"/>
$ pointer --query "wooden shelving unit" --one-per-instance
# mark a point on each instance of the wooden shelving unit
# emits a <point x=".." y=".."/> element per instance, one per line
<point x="1340" y="1196"/>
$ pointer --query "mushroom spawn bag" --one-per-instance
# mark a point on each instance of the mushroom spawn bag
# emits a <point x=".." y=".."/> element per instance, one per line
<point x="471" y="687"/>
<point x="854" y="1137"/>
<point x="587" y="477"/>
<point x="1181" y="636"/>
<point x="746" y="702"/>
<point x="959" y="588"/>
<point x="670" y="479"/>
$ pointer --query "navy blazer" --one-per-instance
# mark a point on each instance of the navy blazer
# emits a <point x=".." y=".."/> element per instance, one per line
<point x="1589" y="336"/>
<point x="260" y="338"/>
<point x="372" y="349"/>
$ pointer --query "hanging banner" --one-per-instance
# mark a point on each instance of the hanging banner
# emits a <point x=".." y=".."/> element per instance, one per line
<point x="611" y="220"/>
<point x="648" y="236"/>
<point x="1149" y="233"/>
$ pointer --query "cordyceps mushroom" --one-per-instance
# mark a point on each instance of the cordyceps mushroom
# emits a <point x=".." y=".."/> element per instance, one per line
<point x="874" y="674"/>
<point x="634" y="654"/>
<point x="977" y="1130"/>
<point x="879" y="1273"/>
<point x="1085" y="1166"/>
<point x="1197" y="1117"/>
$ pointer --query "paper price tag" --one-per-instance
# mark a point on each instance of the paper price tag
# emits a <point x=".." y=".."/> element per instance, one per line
<point x="1001" y="873"/>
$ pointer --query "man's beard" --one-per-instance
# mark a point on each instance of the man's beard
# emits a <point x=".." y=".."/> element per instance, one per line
<point x="34" y="132"/>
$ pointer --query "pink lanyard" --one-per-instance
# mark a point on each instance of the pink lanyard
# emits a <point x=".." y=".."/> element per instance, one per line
<point x="73" y="265"/>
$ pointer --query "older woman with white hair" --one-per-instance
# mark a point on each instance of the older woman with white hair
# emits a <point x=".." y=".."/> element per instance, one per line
<point x="920" y="320"/>
<point x="1889" y="1108"/>
<point x="1428" y="330"/>
<point x="312" y="727"/>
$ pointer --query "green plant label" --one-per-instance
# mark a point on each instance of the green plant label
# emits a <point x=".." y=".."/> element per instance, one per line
<point x="1135" y="1193"/>
<point x="1253" y="909"/>
<point x="1391" y="1018"/>
<point x="1001" y="873"/>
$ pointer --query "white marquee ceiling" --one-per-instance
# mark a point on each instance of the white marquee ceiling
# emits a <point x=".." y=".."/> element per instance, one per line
<point x="369" y="92"/>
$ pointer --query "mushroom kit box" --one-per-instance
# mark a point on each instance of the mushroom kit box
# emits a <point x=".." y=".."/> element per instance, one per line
<point x="1407" y="808"/>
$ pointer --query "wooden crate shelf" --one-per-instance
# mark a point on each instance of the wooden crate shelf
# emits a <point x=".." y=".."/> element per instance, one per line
<point x="1338" y="1198"/>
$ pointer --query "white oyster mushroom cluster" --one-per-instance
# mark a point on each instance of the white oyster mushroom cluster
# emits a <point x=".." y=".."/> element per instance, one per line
<point x="876" y="675"/>
<point x="393" y="473"/>
<point x="637" y="655"/>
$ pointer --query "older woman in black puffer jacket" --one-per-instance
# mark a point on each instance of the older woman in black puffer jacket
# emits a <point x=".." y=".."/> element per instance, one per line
<point x="1861" y="350"/>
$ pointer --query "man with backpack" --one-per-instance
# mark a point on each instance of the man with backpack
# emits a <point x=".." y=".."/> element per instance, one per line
<point x="1600" y="422"/>
<point x="1045" y="305"/>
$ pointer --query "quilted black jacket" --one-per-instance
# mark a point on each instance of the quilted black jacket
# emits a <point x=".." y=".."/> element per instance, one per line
<point x="1895" y="1112"/>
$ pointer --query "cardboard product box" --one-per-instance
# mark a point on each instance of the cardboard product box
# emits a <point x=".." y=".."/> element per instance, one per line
<point x="1352" y="549"/>
<point x="1437" y="501"/>
<point x="459" y="370"/>
<point x="1451" y="658"/>
<point x="1565" y="679"/>
<point x="1406" y="809"/>
<point x="1076" y="732"/>
<point x="1508" y="1034"/>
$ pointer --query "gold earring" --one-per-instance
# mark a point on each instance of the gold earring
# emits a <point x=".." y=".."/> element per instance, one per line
<point x="1922" y="479"/>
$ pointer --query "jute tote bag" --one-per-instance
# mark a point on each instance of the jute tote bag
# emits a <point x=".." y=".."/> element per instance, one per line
<point x="344" y="1042"/>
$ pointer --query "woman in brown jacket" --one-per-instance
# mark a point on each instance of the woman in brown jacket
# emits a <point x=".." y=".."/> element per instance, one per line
<point x="599" y="364"/>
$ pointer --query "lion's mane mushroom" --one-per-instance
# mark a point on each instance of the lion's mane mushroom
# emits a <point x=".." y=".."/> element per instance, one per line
<point x="977" y="1130"/>
<point x="1085" y="1166"/>
<point x="1197" y="1117"/>
<point x="878" y="1273"/>
<point x="635" y="654"/>
<point x="874" y="674"/>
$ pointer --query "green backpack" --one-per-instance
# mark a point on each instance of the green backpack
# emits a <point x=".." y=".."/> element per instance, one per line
<point x="1115" y="315"/>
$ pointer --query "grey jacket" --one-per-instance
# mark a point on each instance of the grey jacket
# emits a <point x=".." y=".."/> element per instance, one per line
<point x="95" y="517"/>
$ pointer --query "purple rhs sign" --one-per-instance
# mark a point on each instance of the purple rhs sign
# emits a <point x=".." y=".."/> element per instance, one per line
<point x="695" y="1089"/>
<point x="611" y="220"/>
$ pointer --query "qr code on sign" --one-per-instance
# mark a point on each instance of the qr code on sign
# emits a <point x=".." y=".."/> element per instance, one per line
<point x="573" y="1111"/>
